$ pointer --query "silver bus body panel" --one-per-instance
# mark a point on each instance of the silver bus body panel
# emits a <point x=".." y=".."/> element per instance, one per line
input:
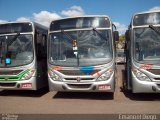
<point x="18" y="84"/>
<point x="87" y="80"/>
<point x="64" y="86"/>
<point x="144" y="86"/>
<point x="139" y="86"/>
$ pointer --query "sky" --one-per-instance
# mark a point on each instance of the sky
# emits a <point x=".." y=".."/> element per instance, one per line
<point x="44" y="11"/>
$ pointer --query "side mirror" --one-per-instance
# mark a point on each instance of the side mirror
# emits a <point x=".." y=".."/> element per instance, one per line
<point x="116" y="35"/>
<point x="127" y="36"/>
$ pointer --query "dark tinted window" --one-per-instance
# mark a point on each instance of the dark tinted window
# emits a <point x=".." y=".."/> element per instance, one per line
<point x="15" y="27"/>
<point x="146" y="19"/>
<point x="75" y="23"/>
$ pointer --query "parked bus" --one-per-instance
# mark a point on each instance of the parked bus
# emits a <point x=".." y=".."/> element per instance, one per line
<point x="81" y="54"/>
<point x="23" y="55"/>
<point x="143" y="53"/>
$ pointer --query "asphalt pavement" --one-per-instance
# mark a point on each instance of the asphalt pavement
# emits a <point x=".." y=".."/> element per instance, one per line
<point x="45" y="102"/>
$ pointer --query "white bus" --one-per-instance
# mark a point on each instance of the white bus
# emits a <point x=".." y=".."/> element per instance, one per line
<point x="81" y="54"/>
<point x="143" y="53"/>
<point x="23" y="55"/>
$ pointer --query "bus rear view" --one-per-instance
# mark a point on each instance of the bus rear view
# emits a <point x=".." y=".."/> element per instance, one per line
<point x="143" y="53"/>
<point x="81" y="55"/>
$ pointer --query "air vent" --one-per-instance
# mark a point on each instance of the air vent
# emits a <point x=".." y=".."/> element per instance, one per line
<point x="79" y="86"/>
<point x="154" y="71"/>
<point x="13" y="72"/>
<point x="7" y="84"/>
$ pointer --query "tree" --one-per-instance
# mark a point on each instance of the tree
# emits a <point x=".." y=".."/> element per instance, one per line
<point x="122" y="38"/>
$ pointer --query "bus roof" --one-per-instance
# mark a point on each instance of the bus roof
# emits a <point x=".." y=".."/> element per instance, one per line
<point x="145" y="12"/>
<point x="82" y="17"/>
<point x="33" y="23"/>
<point x="86" y="21"/>
<point x="21" y="26"/>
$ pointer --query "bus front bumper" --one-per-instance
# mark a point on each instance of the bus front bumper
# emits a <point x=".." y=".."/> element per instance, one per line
<point x="98" y="86"/>
<point x="19" y="85"/>
<point x="139" y="86"/>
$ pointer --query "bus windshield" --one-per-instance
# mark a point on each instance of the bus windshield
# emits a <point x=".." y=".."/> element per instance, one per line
<point x="17" y="48"/>
<point x="147" y="45"/>
<point x="90" y="48"/>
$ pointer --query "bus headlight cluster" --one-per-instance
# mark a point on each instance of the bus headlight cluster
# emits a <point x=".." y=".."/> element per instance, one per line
<point x="54" y="76"/>
<point x="106" y="75"/>
<point x="29" y="74"/>
<point x="141" y="76"/>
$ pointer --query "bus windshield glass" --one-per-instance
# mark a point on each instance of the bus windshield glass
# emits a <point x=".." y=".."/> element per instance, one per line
<point x="146" y="19"/>
<point x="15" y="28"/>
<point x="77" y="23"/>
<point x="89" y="48"/>
<point x="147" y="45"/>
<point x="17" y="49"/>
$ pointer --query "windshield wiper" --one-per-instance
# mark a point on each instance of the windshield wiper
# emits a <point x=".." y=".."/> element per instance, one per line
<point x="74" y="44"/>
<point x="12" y="40"/>
<point x="67" y="35"/>
<point x="7" y="53"/>
<point x="94" y="29"/>
<point x="154" y="28"/>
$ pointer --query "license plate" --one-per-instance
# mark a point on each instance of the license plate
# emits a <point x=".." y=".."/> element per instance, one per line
<point x="26" y="85"/>
<point x="104" y="87"/>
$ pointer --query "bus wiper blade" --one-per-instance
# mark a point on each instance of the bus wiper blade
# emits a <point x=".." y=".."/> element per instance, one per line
<point x="94" y="29"/>
<point x="74" y="44"/>
<point x="9" y="43"/>
<point x="12" y="40"/>
<point x="67" y="35"/>
<point x="154" y="28"/>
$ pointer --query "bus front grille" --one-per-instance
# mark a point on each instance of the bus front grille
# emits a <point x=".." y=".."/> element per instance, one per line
<point x="80" y="79"/>
<point x="154" y="71"/>
<point x="157" y="78"/>
<point x="12" y="72"/>
<point x="7" y="84"/>
<point x="79" y="85"/>
<point x="72" y="72"/>
<point x="76" y="72"/>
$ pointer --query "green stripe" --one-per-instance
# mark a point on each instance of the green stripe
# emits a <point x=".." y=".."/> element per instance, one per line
<point x="14" y="78"/>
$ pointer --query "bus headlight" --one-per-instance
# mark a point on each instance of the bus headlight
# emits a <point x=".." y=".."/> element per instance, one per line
<point x="140" y="75"/>
<point x="106" y="75"/>
<point x="54" y="76"/>
<point x="29" y="74"/>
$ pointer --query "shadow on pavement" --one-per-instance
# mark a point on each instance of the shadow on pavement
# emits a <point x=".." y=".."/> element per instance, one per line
<point x="84" y="95"/>
<point x="142" y="96"/>
<point x="25" y="93"/>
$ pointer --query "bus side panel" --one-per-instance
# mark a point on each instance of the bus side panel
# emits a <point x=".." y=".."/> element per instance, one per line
<point x="41" y="56"/>
<point x="128" y="81"/>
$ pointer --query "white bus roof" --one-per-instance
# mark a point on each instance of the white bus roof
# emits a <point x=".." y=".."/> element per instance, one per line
<point x="141" y="13"/>
<point x="153" y="11"/>
<point x="83" y="16"/>
<point x="32" y="22"/>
